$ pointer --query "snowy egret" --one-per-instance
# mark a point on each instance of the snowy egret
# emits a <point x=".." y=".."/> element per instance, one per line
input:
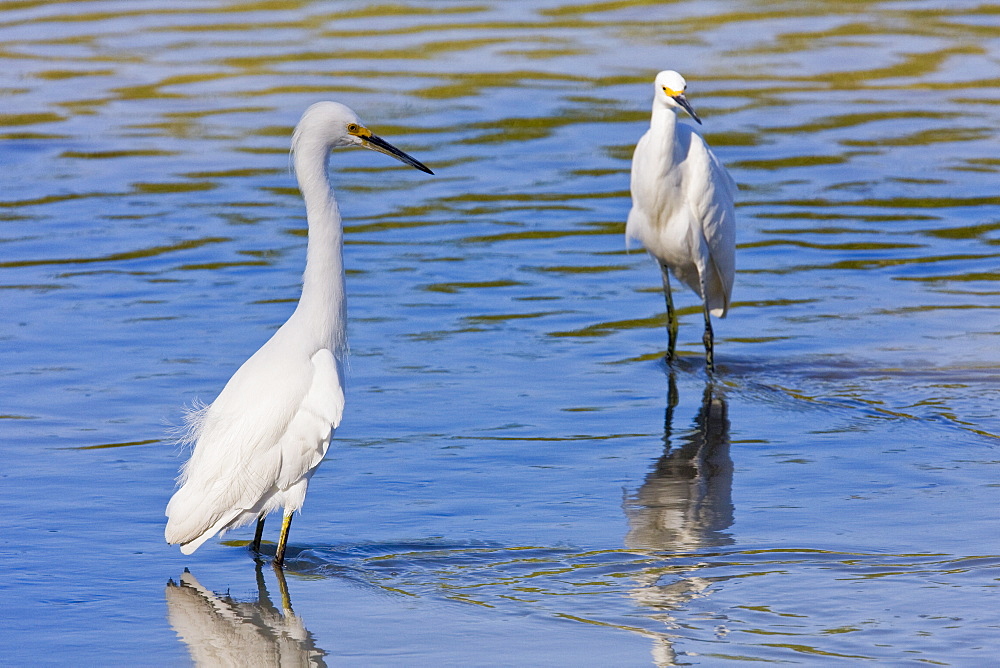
<point x="259" y="442"/>
<point x="682" y="208"/>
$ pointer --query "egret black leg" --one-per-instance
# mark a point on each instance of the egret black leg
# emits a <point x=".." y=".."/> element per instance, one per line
<point x="709" y="343"/>
<point x="279" y="555"/>
<point x="672" y="325"/>
<point x="255" y="546"/>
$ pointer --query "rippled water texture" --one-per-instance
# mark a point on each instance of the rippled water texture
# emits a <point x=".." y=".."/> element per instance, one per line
<point x="518" y="479"/>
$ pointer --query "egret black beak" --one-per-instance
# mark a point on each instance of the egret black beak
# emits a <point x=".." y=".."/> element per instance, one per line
<point x="376" y="143"/>
<point x="681" y="100"/>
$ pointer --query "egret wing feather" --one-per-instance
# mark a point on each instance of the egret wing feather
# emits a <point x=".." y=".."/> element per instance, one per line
<point x="711" y="194"/>
<point x="307" y="437"/>
<point x="234" y="461"/>
<point x="242" y="458"/>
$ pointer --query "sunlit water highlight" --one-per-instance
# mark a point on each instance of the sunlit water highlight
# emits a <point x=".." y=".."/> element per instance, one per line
<point x="518" y="478"/>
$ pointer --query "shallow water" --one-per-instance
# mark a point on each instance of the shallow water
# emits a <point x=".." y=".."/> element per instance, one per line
<point x="518" y="479"/>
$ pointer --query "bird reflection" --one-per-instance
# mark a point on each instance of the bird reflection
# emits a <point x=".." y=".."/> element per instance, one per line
<point x="684" y="504"/>
<point x="221" y="631"/>
<point x="686" y="500"/>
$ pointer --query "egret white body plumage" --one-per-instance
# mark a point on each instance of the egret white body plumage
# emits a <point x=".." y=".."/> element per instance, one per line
<point x="257" y="445"/>
<point x="682" y="208"/>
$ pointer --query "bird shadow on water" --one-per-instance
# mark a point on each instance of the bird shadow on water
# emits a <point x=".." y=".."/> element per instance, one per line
<point x="221" y="631"/>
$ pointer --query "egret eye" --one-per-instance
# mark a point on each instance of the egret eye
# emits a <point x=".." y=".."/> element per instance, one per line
<point x="352" y="128"/>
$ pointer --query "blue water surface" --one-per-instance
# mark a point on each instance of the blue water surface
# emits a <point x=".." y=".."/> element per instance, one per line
<point x="520" y="478"/>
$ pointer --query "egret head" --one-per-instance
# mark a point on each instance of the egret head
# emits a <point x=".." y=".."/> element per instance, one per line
<point x="670" y="87"/>
<point x="332" y="125"/>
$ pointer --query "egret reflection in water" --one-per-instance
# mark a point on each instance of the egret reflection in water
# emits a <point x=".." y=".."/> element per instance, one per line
<point x="684" y="504"/>
<point x="221" y="631"/>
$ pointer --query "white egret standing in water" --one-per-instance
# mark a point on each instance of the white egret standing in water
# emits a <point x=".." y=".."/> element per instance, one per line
<point x="682" y="208"/>
<point x="259" y="442"/>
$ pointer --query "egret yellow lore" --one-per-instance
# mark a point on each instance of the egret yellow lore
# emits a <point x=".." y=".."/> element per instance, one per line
<point x="682" y="209"/>
<point x="257" y="445"/>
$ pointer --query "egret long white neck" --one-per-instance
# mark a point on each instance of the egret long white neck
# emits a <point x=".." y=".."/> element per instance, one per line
<point x="664" y="118"/>
<point x="663" y="126"/>
<point x="323" y="294"/>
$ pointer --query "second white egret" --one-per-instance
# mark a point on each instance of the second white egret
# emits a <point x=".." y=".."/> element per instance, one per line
<point x="682" y="208"/>
<point x="258" y="444"/>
